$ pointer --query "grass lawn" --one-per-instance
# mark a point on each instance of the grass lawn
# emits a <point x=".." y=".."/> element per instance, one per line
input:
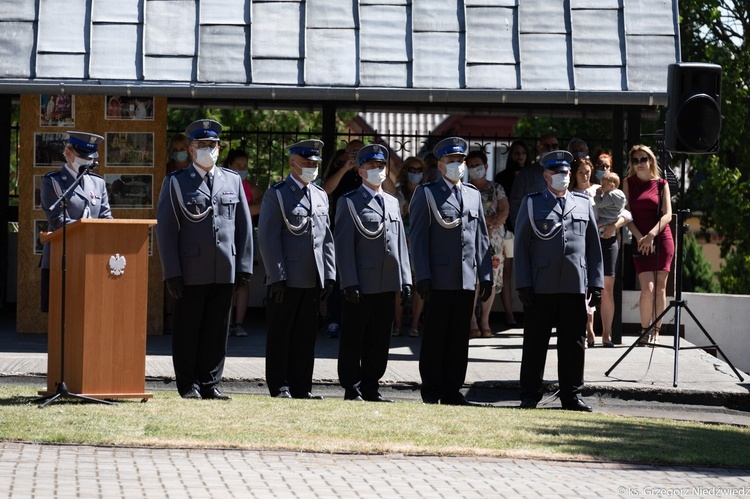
<point x="332" y="425"/>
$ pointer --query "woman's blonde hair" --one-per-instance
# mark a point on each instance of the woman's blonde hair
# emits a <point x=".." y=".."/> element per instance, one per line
<point x="652" y="165"/>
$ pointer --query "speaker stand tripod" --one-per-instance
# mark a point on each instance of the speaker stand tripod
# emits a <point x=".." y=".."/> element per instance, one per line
<point x="678" y="303"/>
<point x="62" y="389"/>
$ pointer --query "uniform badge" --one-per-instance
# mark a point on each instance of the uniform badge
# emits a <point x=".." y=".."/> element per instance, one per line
<point x="93" y="198"/>
<point x="64" y="178"/>
<point x="545" y="226"/>
<point x="192" y="174"/>
<point x="206" y="124"/>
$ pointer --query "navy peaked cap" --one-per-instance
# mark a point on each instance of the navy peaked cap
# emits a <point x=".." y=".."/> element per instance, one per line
<point x="203" y="130"/>
<point x="451" y="145"/>
<point x="85" y="144"/>
<point x="373" y="152"/>
<point x="557" y="161"/>
<point x="308" y="149"/>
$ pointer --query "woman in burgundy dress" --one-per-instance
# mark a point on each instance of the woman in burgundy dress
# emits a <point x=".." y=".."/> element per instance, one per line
<point x="649" y="201"/>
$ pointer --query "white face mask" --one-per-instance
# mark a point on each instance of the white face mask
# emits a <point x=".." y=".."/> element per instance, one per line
<point x="307" y="175"/>
<point x="560" y="181"/>
<point x="454" y="171"/>
<point x="79" y="162"/>
<point x="478" y="172"/>
<point x="207" y="156"/>
<point x="376" y="176"/>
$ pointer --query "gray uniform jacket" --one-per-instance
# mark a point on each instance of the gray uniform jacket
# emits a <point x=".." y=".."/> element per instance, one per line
<point x="371" y="247"/>
<point x="88" y="200"/>
<point x="529" y="179"/>
<point x="453" y="258"/>
<point x="565" y="256"/>
<point x="204" y="237"/>
<point x="295" y="237"/>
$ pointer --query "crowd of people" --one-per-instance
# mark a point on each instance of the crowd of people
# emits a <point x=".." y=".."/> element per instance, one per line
<point x="433" y="243"/>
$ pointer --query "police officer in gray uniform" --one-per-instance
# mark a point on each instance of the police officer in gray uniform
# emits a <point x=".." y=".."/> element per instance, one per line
<point x="88" y="200"/>
<point x="450" y="252"/>
<point x="295" y="240"/>
<point x="206" y="249"/>
<point x="373" y="264"/>
<point x="558" y="257"/>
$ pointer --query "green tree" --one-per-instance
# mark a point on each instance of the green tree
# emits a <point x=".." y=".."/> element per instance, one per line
<point x="262" y="134"/>
<point x="734" y="277"/>
<point x="697" y="275"/>
<point x="714" y="31"/>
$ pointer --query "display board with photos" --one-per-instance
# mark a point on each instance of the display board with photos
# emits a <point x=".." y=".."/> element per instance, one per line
<point x="127" y="191"/>
<point x="132" y="149"/>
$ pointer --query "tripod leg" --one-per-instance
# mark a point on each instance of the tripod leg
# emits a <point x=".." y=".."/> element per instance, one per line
<point x="676" y="341"/>
<point x="47" y="400"/>
<point x="636" y="342"/>
<point x="718" y="348"/>
<point x="90" y="399"/>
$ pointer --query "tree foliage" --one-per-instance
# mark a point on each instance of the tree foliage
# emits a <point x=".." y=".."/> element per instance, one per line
<point x="697" y="275"/>
<point x="262" y="134"/>
<point x="714" y="31"/>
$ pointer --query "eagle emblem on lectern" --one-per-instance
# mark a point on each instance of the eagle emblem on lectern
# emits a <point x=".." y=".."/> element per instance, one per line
<point x="117" y="264"/>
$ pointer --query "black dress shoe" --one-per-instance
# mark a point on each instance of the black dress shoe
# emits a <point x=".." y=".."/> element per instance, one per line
<point x="283" y="394"/>
<point x="353" y="395"/>
<point x="528" y="403"/>
<point x="576" y="404"/>
<point x="192" y="394"/>
<point x="309" y="396"/>
<point x="378" y="398"/>
<point x="459" y="401"/>
<point x="214" y="394"/>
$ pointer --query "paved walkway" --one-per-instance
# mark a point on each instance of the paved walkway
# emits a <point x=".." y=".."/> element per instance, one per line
<point x="29" y="470"/>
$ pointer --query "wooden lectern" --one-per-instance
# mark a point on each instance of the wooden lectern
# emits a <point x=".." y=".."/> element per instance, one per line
<point x="105" y="310"/>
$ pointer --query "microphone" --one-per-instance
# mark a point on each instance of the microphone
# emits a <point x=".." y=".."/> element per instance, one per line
<point x="87" y="168"/>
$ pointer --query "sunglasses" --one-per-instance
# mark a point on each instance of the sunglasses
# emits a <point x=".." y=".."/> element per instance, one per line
<point x="641" y="160"/>
<point x="412" y="169"/>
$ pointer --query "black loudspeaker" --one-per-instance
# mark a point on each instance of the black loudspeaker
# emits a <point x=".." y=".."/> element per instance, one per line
<point x="694" y="109"/>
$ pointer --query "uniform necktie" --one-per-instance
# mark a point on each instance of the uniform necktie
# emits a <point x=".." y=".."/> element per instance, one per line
<point x="209" y="182"/>
<point x="457" y="193"/>
<point x="379" y="199"/>
<point x="561" y="202"/>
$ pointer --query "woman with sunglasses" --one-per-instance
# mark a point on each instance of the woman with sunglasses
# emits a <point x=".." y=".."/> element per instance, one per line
<point x="649" y="201"/>
<point x="411" y="175"/>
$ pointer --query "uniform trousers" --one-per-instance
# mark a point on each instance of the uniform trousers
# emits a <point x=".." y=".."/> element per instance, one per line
<point x="364" y="342"/>
<point x="444" y="354"/>
<point x="290" y="345"/>
<point x="567" y="312"/>
<point x="199" y="338"/>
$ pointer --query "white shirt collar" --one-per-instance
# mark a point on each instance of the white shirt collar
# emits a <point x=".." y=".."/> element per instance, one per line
<point x="450" y="184"/>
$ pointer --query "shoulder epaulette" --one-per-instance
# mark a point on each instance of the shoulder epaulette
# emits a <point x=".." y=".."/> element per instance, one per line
<point x="392" y="195"/>
<point x="317" y="186"/>
<point x="350" y="193"/>
<point x="177" y="172"/>
<point x="471" y="185"/>
<point x="278" y="184"/>
<point x="92" y="174"/>
<point x="52" y="174"/>
<point x="229" y="170"/>
<point x="532" y="194"/>
<point x="580" y="195"/>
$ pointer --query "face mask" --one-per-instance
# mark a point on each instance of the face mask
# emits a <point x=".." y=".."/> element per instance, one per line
<point x="180" y="156"/>
<point x="478" y="172"/>
<point x="599" y="174"/>
<point x="376" y="176"/>
<point x="415" y="178"/>
<point x="307" y="175"/>
<point x="207" y="156"/>
<point x="79" y="162"/>
<point x="560" y="181"/>
<point x="454" y="171"/>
